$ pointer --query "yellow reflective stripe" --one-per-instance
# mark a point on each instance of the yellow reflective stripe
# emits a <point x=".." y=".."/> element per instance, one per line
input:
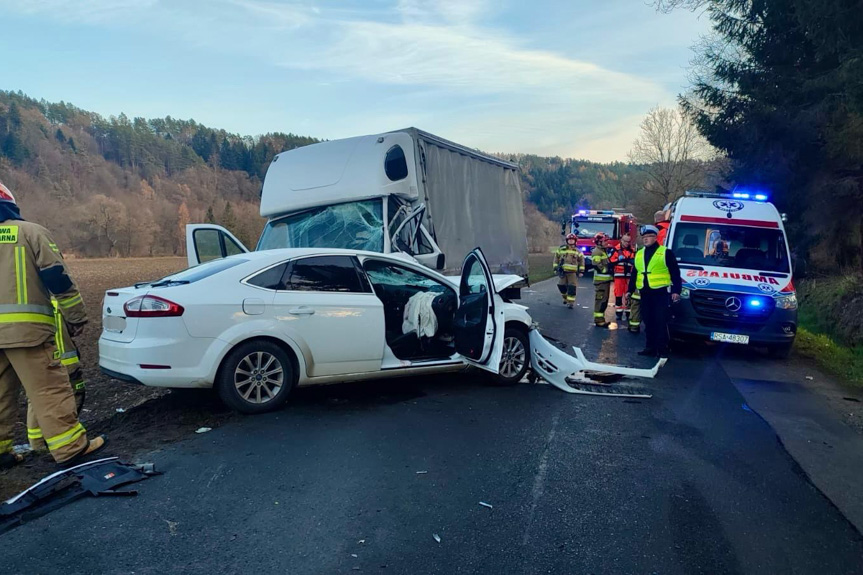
<point x="54" y="248"/>
<point x="70" y="301"/>
<point x="26" y="318"/>
<point x="70" y="361"/>
<point x="5" y="445"/>
<point x="64" y="439"/>
<point x="21" y="275"/>
<point x="34" y="433"/>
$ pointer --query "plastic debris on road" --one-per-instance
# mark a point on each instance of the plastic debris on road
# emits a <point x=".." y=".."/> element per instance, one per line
<point x="810" y="378"/>
<point x="203" y="429"/>
<point x="121" y="410"/>
<point x="436" y="537"/>
<point x="484" y="504"/>
<point x="421" y="472"/>
<point x="354" y="555"/>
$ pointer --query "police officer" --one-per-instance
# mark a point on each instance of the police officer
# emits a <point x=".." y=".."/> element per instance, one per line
<point x="657" y="279"/>
<point x="601" y="279"/>
<point x="31" y="272"/>
<point x="569" y="266"/>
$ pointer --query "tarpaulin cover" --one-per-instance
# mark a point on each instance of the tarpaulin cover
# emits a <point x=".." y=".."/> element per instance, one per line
<point x="474" y="203"/>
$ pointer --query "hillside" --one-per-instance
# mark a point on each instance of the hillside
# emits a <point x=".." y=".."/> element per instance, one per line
<point x="127" y="187"/>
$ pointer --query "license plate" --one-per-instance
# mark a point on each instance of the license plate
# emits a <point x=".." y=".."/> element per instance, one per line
<point x="114" y="323"/>
<point x="730" y="338"/>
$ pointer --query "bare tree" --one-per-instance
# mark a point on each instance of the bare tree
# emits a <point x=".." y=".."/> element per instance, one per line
<point x="672" y="154"/>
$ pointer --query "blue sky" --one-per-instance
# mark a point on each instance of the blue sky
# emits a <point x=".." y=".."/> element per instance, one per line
<point x="553" y="77"/>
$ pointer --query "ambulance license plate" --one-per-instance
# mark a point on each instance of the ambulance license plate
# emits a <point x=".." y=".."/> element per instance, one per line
<point x="730" y="338"/>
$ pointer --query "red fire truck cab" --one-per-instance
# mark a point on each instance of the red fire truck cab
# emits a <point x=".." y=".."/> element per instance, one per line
<point x="613" y="223"/>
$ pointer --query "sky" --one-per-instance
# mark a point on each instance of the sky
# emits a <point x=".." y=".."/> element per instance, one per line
<point x="572" y="78"/>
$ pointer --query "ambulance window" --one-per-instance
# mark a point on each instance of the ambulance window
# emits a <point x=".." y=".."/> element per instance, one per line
<point x="395" y="164"/>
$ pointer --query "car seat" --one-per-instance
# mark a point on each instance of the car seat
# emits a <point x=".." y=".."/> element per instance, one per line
<point x="690" y="251"/>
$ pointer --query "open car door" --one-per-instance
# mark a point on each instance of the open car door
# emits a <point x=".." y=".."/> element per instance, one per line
<point x="479" y="319"/>
<point x="205" y="242"/>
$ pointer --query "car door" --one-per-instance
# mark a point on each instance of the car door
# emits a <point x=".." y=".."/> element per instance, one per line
<point x="327" y="303"/>
<point x="479" y="320"/>
<point x="205" y="242"/>
<point x="412" y="238"/>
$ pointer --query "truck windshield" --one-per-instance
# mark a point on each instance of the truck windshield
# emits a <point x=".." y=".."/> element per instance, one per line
<point x="590" y="229"/>
<point x="731" y="247"/>
<point x="353" y="226"/>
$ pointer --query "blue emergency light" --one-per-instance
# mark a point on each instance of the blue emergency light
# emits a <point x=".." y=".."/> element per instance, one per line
<point x="582" y="212"/>
<point x="754" y="302"/>
<point x="749" y="196"/>
<point x="761" y="197"/>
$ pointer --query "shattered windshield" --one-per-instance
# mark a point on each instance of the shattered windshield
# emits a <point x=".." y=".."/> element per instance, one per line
<point x="353" y="226"/>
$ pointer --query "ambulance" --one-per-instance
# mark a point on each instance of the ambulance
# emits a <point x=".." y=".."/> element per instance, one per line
<point x="736" y="270"/>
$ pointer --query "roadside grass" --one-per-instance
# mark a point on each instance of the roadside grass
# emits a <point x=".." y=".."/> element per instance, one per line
<point x="841" y="361"/>
<point x="540" y="267"/>
<point x="829" y="329"/>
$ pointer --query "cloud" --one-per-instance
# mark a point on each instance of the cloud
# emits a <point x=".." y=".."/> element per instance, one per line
<point x="81" y="11"/>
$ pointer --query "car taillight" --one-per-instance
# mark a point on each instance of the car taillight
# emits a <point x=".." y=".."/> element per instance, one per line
<point x="152" y="306"/>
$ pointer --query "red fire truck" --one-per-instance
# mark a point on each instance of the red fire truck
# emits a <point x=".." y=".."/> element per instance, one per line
<point x="613" y="223"/>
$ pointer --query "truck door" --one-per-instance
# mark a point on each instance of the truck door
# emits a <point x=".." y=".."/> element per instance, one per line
<point x="205" y="242"/>
<point x="412" y="238"/>
<point x="479" y="319"/>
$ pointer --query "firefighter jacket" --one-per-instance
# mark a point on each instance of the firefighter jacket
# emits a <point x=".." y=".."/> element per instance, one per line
<point x="601" y="265"/>
<point x="31" y="271"/>
<point x="568" y="259"/>
<point x="622" y="258"/>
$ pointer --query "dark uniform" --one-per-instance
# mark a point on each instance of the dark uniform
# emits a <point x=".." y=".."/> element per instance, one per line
<point x="656" y="271"/>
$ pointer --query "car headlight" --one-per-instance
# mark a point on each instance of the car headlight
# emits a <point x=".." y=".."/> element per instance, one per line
<point x="684" y="293"/>
<point x="787" y="301"/>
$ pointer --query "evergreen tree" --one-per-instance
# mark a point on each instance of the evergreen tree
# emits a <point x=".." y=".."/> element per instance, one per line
<point x="60" y="137"/>
<point x="210" y="218"/>
<point x="228" y="219"/>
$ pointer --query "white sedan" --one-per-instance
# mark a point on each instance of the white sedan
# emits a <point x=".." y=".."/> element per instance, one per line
<point x="255" y="325"/>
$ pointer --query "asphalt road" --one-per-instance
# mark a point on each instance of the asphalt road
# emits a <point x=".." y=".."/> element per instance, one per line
<point x="690" y="481"/>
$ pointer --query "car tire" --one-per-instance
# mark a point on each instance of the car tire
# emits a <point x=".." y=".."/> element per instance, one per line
<point x="781" y="351"/>
<point x="516" y="357"/>
<point x="255" y="377"/>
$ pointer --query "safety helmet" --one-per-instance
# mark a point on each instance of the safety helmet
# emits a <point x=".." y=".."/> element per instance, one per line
<point x="599" y="238"/>
<point x="571" y="237"/>
<point x="647" y="230"/>
<point x="6" y="194"/>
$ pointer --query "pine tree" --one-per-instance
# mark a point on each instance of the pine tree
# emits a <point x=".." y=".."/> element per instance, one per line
<point x="210" y="217"/>
<point x="228" y="219"/>
<point x="60" y="137"/>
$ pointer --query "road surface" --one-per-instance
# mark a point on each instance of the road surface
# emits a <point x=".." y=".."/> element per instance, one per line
<point x="362" y="477"/>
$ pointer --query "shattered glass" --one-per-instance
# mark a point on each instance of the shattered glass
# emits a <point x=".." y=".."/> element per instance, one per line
<point x="352" y="226"/>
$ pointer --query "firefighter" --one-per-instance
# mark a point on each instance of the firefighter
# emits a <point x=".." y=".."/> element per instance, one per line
<point x="657" y="279"/>
<point x="601" y="279"/>
<point x="569" y="266"/>
<point x="662" y="224"/>
<point x="31" y="271"/>
<point x="622" y="258"/>
<point x="69" y="357"/>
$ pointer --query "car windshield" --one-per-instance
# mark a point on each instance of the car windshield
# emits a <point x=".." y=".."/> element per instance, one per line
<point x="354" y="226"/>
<point x="590" y="229"/>
<point x="731" y="247"/>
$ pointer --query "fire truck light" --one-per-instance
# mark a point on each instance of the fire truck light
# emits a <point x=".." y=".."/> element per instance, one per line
<point x="582" y="212"/>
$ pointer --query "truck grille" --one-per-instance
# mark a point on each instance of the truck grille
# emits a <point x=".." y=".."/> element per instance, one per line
<point x="724" y="308"/>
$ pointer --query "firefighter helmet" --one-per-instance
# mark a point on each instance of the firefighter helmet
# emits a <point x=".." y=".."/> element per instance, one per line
<point x="571" y="237"/>
<point x="599" y="238"/>
<point x="5" y="194"/>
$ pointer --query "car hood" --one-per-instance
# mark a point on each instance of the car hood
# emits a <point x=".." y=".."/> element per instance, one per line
<point x="501" y="282"/>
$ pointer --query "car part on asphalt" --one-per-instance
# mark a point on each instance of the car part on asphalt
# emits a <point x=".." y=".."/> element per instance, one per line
<point x="97" y="478"/>
<point x="561" y="369"/>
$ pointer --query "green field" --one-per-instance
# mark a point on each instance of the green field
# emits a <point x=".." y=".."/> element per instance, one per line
<point x="540" y="267"/>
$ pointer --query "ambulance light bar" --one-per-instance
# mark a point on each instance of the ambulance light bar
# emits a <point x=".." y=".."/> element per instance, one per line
<point x="733" y="195"/>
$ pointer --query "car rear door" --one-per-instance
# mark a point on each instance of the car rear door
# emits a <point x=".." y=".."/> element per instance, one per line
<point x="206" y="242"/>
<point x="327" y="303"/>
<point x="479" y="320"/>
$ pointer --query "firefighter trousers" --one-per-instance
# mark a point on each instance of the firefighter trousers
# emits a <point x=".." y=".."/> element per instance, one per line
<point x="567" y="285"/>
<point x="46" y="382"/>
<point x="600" y="304"/>
<point x="635" y="313"/>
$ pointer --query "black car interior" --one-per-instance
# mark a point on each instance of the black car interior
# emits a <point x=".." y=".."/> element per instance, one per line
<point x="394" y="285"/>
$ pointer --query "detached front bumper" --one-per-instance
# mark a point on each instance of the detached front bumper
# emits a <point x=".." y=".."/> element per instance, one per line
<point x="779" y="329"/>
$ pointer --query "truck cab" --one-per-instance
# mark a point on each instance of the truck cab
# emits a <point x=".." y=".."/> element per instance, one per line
<point x="613" y="223"/>
<point x="736" y="270"/>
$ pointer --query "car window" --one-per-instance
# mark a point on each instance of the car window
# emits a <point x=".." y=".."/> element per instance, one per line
<point x="395" y="164"/>
<point x="207" y="245"/>
<point x="204" y="270"/>
<point x="325" y="273"/>
<point x="231" y="247"/>
<point x="271" y="278"/>
<point x="474" y="280"/>
<point x="384" y="273"/>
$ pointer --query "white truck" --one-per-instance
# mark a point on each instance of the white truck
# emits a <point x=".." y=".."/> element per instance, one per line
<point x="406" y="191"/>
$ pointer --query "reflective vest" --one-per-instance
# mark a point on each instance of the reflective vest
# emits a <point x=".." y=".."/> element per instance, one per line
<point x="657" y="273"/>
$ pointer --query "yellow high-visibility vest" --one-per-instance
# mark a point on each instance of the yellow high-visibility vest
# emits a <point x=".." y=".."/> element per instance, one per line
<point x="657" y="272"/>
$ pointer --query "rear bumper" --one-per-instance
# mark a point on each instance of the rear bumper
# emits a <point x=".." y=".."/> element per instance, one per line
<point x="780" y="328"/>
<point x="185" y="362"/>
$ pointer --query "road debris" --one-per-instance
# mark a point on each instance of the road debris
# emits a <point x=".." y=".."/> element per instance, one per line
<point x="361" y="541"/>
<point x="484" y="504"/>
<point x="354" y="555"/>
<point x="203" y="429"/>
<point x="436" y="537"/>
<point x="810" y="378"/>
<point x="120" y="410"/>
<point x="172" y="527"/>
<point x="421" y="472"/>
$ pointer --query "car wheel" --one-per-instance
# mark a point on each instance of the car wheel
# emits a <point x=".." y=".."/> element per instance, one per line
<point x="781" y="351"/>
<point x="256" y="377"/>
<point x="516" y="357"/>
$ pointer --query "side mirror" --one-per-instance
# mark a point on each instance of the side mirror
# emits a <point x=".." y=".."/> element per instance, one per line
<point x="441" y="262"/>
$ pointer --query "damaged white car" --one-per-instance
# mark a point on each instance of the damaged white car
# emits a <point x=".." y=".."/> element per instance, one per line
<point x="256" y="325"/>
